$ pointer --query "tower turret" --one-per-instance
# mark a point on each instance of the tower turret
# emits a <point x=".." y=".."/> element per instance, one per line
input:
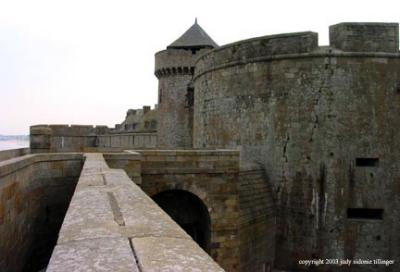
<point x="174" y="68"/>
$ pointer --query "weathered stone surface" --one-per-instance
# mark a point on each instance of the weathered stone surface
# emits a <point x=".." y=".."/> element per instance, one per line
<point x="9" y="154"/>
<point x="34" y="194"/>
<point x="151" y="221"/>
<point x="138" y="120"/>
<point x="98" y="221"/>
<point x="102" y="254"/>
<point x="174" y="69"/>
<point x="321" y="122"/>
<point x="210" y="175"/>
<point x="74" y="138"/>
<point x="365" y="37"/>
<point x="106" y="211"/>
<point x="257" y="223"/>
<point x="171" y="254"/>
<point x="306" y="116"/>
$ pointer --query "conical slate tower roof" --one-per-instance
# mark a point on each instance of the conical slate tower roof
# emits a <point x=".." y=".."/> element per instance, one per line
<point x="194" y="37"/>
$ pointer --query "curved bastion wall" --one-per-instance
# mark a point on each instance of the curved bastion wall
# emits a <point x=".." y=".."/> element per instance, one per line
<point x="324" y="123"/>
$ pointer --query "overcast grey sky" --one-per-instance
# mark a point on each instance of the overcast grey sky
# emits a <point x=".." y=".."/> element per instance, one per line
<point x="88" y="62"/>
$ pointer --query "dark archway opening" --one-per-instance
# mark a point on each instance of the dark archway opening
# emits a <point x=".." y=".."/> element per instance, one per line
<point x="189" y="212"/>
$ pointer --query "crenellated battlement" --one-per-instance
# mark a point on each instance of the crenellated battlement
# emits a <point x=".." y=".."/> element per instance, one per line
<point x="173" y="62"/>
<point x="69" y="130"/>
<point x="78" y="138"/>
<point x="257" y="48"/>
<point x="265" y="151"/>
<point x="365" y="37"/>
<point x="322" y="121"/>
<point x="346" y="39"/>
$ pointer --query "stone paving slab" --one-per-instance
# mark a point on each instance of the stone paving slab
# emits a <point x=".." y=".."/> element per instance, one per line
<point x="171" y="254"/>
<point x="89" y="216"/>
<point x="150" y="221"/>
<point x="103" y="254"/>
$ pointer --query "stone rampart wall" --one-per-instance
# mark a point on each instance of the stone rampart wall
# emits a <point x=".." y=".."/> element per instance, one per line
<point x="112" y="225"/>
<point x="253" y="49"/>
<point x="322" y="122"/>
<point x="64" y="138"/>
<point x="210" y="175"/>
<point x="365" y="37"/>
<point x="128" y="140"/>
<point x="238" y="200"/>
<point x="257" y="224"/>
<point x="12" y="153"/>
<point x="34" y="195"/>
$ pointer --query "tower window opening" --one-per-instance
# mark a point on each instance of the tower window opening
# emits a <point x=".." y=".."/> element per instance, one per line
<point x="367" y="162"/>
<point x="190" y="97"/>
<point x="159" y="96"/>
<point x="363" y="213"/>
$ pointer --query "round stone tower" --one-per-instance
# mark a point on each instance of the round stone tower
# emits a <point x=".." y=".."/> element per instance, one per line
<point x="174" y="68"/>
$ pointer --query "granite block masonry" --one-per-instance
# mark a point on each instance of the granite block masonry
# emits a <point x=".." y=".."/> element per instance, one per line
<point x="310" y="166"/>
<point x="112" y="225"/>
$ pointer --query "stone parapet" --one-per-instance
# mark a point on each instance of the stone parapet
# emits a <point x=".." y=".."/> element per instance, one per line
<point x="209" y="175"/>
<point x="34" y="194"/>
<point x="322" y="121"/>
<point x="255" y="48"/>
<point x="365" y="37"/>
<point x="189" y="161"/>
<point x="128" y="140"/>
<point x="11" y="153"/>
<point x="82" y="138"/>
<point x="346" y="40"/>
<point x="176" y="62"/>
<point x="111" y="224"/>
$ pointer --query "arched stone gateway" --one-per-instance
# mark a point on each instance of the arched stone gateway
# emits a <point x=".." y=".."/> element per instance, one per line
<point x="189" y="211"/>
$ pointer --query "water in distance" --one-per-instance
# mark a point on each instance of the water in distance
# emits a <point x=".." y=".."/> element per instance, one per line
<point x="13" y="144"/>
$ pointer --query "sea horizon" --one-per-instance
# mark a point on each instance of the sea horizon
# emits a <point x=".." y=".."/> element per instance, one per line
<point x="13" y="144"/>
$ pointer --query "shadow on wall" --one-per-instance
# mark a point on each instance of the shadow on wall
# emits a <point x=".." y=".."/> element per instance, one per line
<point x="35" y="191"/>
<point x="189" y="212"/>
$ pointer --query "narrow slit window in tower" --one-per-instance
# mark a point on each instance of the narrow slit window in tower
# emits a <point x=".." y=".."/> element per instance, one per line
<point x="159" y="96"/>
<point x="363" y="213"/>
<point x="190" y="97"/>
<point x="367" y="162"/>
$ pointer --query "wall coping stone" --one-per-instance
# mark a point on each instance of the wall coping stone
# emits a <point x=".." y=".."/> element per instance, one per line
<point x="320" y="52"/>
<point x="188" y="152"/>
<point x="12" y="153"/>
<point x="14" y="164"/>
<point x="112" y="224"/>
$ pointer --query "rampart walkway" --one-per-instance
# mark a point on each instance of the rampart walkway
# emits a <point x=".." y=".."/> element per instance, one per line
<point x="112" y="225"/>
